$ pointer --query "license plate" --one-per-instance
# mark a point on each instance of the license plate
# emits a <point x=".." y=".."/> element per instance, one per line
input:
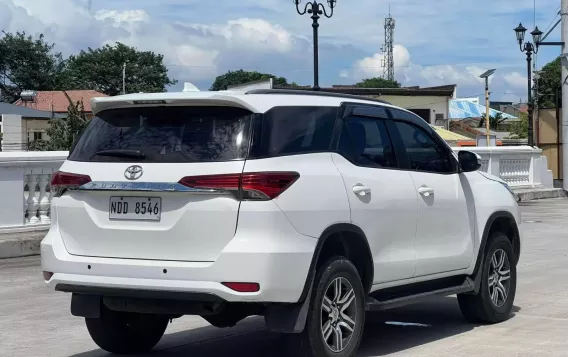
<point x="135" y="208"/>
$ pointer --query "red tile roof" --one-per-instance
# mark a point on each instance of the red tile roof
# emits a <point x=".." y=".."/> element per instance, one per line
<point x="57" y="102"/>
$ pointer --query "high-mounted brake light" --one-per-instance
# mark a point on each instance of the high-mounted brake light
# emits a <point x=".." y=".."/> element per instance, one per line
<point x="61" y="181"/>
<point x="247" y="186"/>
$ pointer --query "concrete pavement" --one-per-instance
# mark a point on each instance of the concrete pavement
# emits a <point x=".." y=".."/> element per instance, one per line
<point x="36" y="322"/>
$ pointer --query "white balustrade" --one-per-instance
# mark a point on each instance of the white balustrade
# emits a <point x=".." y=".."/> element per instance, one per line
<point x="519" y="166"/>
<point x="25" y="194"/>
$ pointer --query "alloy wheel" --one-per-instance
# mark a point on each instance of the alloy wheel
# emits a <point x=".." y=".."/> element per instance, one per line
<point x="339" y="314"/>
<point x="499" y="278"/>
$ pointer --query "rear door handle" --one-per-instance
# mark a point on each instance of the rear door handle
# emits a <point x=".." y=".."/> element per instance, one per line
<point x="361" y="190"/>
<point x="425" y="190"/>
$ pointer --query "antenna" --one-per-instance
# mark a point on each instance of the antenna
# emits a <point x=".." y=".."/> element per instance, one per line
<point x="388" y="71"/>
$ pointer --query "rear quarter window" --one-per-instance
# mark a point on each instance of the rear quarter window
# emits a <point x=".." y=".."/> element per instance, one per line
<point x="292" y="130"/>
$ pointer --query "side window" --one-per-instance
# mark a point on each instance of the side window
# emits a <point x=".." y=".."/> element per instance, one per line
<point x="423" y="152"/>
<point x="365" y="142"/>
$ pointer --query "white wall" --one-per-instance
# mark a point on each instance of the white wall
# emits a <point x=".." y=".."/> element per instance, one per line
<point x="13" y="134"/>
<point x="35" y="125"/>
<point x="437" y="105"/>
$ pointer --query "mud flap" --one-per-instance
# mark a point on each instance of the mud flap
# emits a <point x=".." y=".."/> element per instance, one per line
<point x="288" y="318"/>
<point x="86" y="306"/>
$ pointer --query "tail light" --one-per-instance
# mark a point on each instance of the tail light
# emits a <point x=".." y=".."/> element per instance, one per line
<point x="62" y="181"/>
<point x="246" y="186"/>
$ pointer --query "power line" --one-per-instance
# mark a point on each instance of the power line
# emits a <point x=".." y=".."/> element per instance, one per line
<point x="553" y="19"/>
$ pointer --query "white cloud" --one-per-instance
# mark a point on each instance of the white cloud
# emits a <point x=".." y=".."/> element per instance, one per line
<point x="259" y="33"/>
<point x="199" y="44"/>
<point x="373" y="66"/>
<point x="516" y="79"/>
<point x="121" y="17"/>
<point x="191" y="50"/>
<point x="201" y="62"/>
<point x="409" y="73"/>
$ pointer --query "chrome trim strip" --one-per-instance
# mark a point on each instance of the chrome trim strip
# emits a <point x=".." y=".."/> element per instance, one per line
<point x="142" y="186"/>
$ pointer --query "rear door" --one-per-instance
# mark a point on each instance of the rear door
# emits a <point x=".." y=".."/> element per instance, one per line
<point x="382" y="197"/>
<point x="133" y="202"/>
<point x="444" y="234"/>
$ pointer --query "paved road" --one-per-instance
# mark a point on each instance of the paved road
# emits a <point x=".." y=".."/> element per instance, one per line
<point x="36" y="322"/>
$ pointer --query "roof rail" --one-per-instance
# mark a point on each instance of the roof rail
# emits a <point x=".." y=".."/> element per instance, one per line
<point x="315" y="93"/>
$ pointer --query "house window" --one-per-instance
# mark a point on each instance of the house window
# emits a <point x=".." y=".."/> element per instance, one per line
<point x="36" y="135"/>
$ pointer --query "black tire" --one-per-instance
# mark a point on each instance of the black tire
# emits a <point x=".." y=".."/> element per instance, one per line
<point x="480" y="308"/>
<point x="311" y="340"/>
<point x="126" y="333"/>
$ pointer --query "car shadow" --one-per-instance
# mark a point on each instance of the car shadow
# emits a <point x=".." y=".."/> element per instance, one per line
<point x="386" y="332"/>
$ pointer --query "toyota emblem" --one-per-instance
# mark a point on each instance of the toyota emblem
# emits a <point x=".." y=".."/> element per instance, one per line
<point x="133" y="172"/>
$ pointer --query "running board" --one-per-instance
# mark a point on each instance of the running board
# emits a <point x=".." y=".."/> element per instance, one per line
<point x="373" y="304"/>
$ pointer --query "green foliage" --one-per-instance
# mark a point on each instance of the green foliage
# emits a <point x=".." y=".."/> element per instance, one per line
<point x="494" y="121"/>
<point x="27" y="64"/>
<point x="101" y="70"/>
<point x="62" y="133"/>
<point x="30" y="64"/>
<point x="377" y="82"/>
<point x="520" y="129"/>
<point x="548" y="83"/>
<point x="232" y="78"/>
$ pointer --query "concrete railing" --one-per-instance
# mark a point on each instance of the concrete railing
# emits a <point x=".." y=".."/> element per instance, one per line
<point x="519" y="166"/>
<point x="25" y="195"/>
<point x="24" y="188"/>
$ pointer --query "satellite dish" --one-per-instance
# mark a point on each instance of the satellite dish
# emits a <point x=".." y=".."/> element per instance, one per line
<point x="188" y="87"/>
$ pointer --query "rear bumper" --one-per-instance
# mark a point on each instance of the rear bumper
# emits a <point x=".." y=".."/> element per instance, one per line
<point x="277" y="259"/>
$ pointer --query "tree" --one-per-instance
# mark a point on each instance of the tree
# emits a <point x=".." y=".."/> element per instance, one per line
<point x="101" y="70"/>
<point x="520" y="128"/>
<point x="241" y="76"/>
<point x="377" y="82"/>
<point x="63" y="132"/>
<point x="548" y="83"/>
<point x="494" y="121"/>
<point x="27" y="64"/>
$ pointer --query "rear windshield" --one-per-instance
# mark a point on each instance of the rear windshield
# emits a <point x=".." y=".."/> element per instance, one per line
<point x="166" y="134"/>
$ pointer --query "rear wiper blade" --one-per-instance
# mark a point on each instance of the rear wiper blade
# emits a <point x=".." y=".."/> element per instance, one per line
<point x="131" y="154"/>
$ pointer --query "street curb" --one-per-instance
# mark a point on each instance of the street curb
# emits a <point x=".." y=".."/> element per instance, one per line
<point x="539" y="194"/>
<point x="21" y="244"/>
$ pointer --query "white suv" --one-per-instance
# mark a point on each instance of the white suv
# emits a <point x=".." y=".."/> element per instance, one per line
<point x="307" y="208"/>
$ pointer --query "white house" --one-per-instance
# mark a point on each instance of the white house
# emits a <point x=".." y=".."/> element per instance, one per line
<point x="20" y="126"/>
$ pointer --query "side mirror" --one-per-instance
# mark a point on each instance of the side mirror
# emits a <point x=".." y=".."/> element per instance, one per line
<point x="468" y="161"/>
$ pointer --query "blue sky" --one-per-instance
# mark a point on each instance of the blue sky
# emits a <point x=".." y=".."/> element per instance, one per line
<point x="436" y="42"/>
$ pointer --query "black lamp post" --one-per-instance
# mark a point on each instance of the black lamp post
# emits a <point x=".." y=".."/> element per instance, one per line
<point x="315" y="9"/>
<point x="529" y="49"/>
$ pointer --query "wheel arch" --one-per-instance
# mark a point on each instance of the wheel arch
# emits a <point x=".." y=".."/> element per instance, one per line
<point x="349" y="240"/>
<point x="502" y="221"/>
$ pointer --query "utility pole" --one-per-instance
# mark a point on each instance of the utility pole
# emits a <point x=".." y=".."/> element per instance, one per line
<point x="487" y="123"/>
<point x="486" y="76"/>
<point x="124" y="78"/>
<point x="564" y="79"/>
